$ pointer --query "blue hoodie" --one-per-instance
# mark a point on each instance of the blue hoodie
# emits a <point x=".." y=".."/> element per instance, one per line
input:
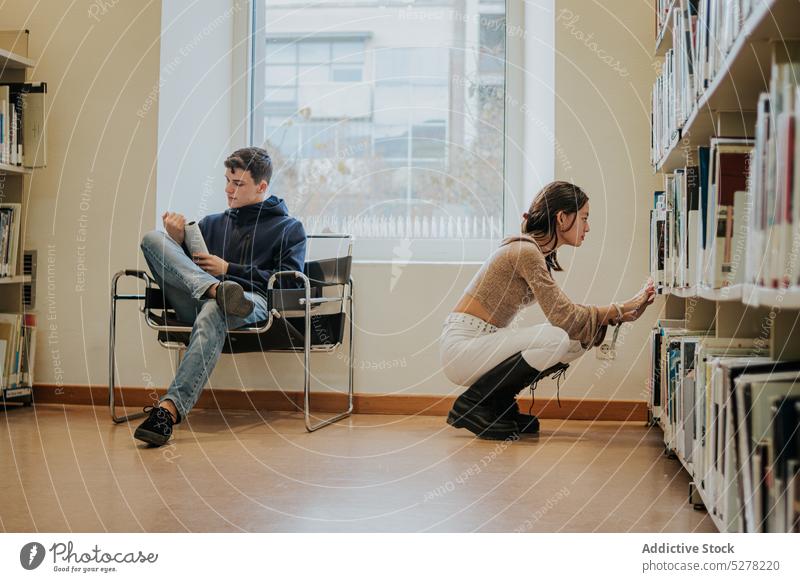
<point x="256" y="240"/>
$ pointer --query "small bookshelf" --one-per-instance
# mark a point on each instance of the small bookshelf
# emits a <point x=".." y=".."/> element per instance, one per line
<point x="22" y="149"/>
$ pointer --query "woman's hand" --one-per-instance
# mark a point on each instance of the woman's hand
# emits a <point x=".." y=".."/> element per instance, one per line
<point x="642" y="299"/>
<point x="635" y="307"/>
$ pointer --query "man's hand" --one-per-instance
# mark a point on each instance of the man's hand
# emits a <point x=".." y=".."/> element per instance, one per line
<point x="173" y="224"/>
<point x="211" y="264"/>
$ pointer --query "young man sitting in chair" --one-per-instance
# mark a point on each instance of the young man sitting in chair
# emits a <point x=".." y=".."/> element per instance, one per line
<point x="226" y="288"/>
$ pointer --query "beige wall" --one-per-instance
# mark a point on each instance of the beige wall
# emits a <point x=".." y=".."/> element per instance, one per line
<point x="604" y="74"/>
<point x="99" y="182"/>
<point x="101" y="177"/>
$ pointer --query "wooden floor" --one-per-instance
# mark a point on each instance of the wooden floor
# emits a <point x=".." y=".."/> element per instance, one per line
<point x="71" y="469"/>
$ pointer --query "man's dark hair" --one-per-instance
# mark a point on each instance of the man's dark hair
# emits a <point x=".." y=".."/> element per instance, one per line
<point x="254" y="160"/>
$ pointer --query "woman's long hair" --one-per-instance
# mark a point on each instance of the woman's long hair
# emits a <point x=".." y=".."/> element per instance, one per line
<point x="540" y="220"/>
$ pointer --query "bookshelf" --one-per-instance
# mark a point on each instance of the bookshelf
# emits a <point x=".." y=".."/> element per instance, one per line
<point x="12" y="60"/>
<point x="711" y="342"/>
<point x="746" y="293"/>
<point x="743" y="75"/>
<point x="17" y="285"/>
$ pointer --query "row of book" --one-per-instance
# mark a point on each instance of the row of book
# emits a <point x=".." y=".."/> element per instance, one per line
<point x="664" y="126"/>
<point x="10" y="220"/>
<point x="703" y="32"/>
<point x="698" y="225"/>
<point x="731" y="415"/>
<point x="773" y="247"/>
<point x="662" y="13"/>
<point x="22" y="117"/>
<point x="731" y="214"/>
<point x="17" y="353"/>
<point x="718" y="25"/>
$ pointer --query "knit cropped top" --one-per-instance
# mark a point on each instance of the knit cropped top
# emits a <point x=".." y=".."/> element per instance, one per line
<point x="516" y="276"/>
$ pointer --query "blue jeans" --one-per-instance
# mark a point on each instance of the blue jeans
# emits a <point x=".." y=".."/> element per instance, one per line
<point x="184" y="284"/>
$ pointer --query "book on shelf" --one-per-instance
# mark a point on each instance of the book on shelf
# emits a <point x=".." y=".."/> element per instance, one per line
<point x="10" y="220"/>
<point x="748" y="196"/>
<point x="729" y="158"/>
<point x="673" y="92"/>
<point x="705" y="214"/>
<point x="22" y="124"/>
<point x="656" y="351"/>
<point x="747" y="476"/>
<point x="658" y="233"/>
<point x="703" y="32"/>
<point x="774" y="191"/>
<point x="766" y="413"/>
<point x="719" y="24"/>
<point x="18" y="337"/>
<point x="724" y="476"/>
<point x="663" y="8"/>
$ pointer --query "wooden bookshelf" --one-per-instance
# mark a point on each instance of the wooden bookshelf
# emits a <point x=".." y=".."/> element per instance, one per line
<point x="742" y="77"/>
<point x="14" y="68"/>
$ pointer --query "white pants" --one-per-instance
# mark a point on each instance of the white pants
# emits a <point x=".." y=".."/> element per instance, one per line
<point x="470" y="347"/>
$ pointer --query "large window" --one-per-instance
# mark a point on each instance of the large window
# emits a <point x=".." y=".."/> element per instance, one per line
<point x="386" y="119"/>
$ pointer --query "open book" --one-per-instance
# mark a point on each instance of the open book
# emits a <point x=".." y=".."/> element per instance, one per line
<point x="194" y="239"/>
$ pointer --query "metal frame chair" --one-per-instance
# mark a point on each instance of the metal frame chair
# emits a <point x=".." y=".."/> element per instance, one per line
<point x="290" y="308"/>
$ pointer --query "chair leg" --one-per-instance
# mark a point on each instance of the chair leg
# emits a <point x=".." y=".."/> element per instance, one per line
<point x="307" y="364"/>
<point x="112" y="361"/>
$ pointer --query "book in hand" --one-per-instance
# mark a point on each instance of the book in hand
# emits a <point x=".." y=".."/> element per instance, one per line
<point x="193" y="239"/>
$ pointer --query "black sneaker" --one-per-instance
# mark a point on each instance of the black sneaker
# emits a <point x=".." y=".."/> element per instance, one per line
<point x="157" y="429"/>
<point x="232" y="300"/>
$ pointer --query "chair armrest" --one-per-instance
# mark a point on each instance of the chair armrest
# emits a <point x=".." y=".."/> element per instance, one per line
<point x="320" y="300"/>
<point x="149" y="282"/>
<point x="281" y="299"/>
<point x="295" y="274"/>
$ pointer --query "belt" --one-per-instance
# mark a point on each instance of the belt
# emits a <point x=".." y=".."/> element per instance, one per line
<point x="474" y="322"/>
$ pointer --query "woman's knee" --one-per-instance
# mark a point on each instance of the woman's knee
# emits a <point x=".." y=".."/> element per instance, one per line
<point x="552" y="338"/>
<point x="550" y="347"/>
<point x="574" y="351"/>
<point x="453" y="365"/>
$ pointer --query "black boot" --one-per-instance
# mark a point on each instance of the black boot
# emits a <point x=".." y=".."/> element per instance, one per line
<point x="505" y="398"/>
<point x="477" y="408"/>
<point x="473" y="411"/>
